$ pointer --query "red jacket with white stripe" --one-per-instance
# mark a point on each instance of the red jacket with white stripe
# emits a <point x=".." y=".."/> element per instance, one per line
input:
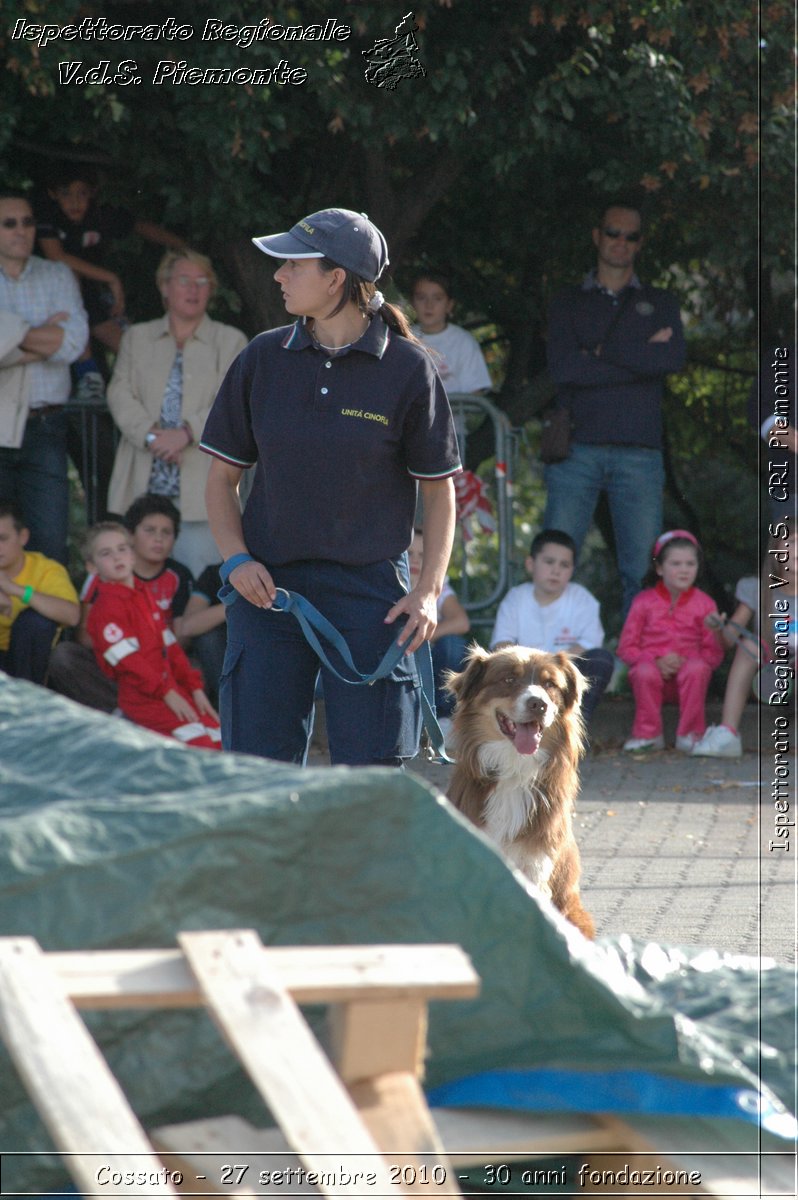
<point x="134" y="646"/>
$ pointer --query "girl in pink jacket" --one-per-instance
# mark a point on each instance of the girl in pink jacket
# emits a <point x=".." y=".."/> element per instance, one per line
<point x="670" y="652"/>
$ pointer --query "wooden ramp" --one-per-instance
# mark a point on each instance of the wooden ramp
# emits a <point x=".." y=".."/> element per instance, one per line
<point x="335" y="1126"/>
<point x="362" y="1129"/>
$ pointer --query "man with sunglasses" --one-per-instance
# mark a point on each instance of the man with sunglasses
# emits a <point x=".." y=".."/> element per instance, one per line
<point x="43" y="328"/>
<point x="611" y="342"/>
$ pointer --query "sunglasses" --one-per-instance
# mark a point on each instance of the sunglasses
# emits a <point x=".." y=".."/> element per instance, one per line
<point x="618" y="233"/>
<point x="187" y="281"/>
<point x="12" y="222"/>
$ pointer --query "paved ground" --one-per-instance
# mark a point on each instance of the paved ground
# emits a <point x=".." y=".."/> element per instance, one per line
<point x="676" y="848"/>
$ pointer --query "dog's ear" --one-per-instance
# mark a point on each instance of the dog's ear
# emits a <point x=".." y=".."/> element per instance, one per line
<point x="463" y="684"/>
<point x="576" y="684"/>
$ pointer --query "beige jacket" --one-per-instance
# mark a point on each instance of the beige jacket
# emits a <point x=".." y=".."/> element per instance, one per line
<point x="135" y="395"/>
<point x="13" y="380"/>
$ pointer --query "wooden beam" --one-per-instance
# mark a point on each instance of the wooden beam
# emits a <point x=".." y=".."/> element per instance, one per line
<point x="470" y="1137"/>
<point x="313" y="975"/>
<point x="372" y="1037"/>
<point x="378" y="1049"/>
<point x="69" y="1081"/>
<point x="285" y="1062"/>
<point x="227" y="1156"/>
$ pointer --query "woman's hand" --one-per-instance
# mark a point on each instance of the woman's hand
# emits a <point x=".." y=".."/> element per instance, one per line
<point x="422" y="618"/>
<point x="252" y="581"/>
<point x="169" y="444"/>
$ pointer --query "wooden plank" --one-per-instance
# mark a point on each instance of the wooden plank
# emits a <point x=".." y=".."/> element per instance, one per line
<point x="313" y="975"/>
<point x="469" y="1137"/>
<point x="228" y="1156"/>
<point x="372" y="1037"/>
<point x="67" y="1078"/>
<point x="732" y="1158"/>
<point x="472" y="1137"/>
<point x="378" y="1049"/>
<point x="395" y="1111"/>
<point x="478" y="1135"/>
<point x="285" y="1062"/>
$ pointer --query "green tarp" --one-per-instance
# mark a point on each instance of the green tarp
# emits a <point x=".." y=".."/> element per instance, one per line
<point x="113" y="837"/>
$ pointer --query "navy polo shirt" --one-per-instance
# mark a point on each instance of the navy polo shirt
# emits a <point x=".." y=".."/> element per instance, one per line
<point x="615" y="398"/>
<point x="338" y="443"/>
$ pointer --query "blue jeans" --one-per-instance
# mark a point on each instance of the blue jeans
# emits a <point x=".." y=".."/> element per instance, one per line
<point x="633" y="478"/>
<point x="35" y="477"/>
<point x="597" y="666"/>
<point x="28" y="654"/>
<point x="268" y="682"/>
<point x="447" y="655"/>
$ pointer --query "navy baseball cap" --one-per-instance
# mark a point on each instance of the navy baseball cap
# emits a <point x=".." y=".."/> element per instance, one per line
<point x="349" y="239"/>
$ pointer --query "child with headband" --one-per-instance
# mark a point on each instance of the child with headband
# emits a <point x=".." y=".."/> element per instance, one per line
<point x="670" y="651"/>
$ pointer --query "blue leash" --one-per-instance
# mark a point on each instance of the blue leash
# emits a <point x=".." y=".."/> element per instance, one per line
<point x="312" y="622"/>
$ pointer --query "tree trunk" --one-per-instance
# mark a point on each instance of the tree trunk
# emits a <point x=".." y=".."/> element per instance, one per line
<point x="251" y="273"/>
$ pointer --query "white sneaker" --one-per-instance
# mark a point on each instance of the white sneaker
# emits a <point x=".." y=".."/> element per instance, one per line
<point x="655" y="743"/>
<point x="687" y="742"/>
<point x="719" y="742"/>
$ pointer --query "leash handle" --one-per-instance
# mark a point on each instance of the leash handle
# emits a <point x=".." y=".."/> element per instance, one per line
<point x="312" y="621"/>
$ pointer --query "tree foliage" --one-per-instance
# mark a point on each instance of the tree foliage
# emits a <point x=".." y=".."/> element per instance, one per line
<point x="527" y="115"/>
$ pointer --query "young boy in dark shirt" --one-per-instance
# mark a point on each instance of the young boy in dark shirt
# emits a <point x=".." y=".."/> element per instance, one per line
<point x="74" y="228"/>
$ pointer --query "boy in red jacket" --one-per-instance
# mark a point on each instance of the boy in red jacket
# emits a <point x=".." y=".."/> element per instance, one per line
<point x="158" y="688"/>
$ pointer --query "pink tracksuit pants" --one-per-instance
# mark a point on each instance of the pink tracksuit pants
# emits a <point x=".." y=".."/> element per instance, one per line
<point x="688" y="689"/>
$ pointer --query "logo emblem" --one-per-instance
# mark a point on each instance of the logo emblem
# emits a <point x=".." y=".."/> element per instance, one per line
<point x="393" y="59"/>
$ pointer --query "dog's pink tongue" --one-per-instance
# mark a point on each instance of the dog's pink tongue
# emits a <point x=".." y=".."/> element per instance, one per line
<point x="527" y="737"/>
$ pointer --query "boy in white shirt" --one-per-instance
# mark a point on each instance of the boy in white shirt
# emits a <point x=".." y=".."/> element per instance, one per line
<point x="551" y="613"/>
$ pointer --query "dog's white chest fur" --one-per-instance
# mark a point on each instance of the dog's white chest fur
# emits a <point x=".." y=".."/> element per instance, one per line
<point x="510" y="805"/>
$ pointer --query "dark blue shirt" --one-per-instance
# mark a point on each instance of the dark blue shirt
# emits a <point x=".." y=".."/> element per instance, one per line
<point x="92" y="237"/>
<point x="338" y="443"/>
<point x="615" y="396"/>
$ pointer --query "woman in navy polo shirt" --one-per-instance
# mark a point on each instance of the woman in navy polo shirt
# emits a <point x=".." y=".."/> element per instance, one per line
<point x="343" y="417"/>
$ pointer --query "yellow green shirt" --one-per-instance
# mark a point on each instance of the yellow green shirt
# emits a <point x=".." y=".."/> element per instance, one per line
<point x="43" y="575"/>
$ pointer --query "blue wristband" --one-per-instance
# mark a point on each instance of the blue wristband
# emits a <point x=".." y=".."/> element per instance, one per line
<point x="230" y="564"/>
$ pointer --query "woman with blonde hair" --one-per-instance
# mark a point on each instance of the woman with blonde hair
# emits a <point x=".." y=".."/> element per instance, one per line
<point x="165" y="379"/>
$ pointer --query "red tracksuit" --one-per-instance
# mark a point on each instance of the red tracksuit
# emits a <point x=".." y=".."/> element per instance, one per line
<point x="135" y="648"/>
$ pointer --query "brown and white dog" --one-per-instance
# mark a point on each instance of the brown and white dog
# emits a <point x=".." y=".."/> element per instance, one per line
<point x="517" y="738"/>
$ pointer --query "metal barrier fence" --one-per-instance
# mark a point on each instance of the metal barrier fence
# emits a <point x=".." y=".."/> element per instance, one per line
<point x="92" y="439"/>
<point x="466" y="408"/>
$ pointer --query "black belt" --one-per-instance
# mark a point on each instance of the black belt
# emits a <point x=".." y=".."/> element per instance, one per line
<point x="43" y="409"/>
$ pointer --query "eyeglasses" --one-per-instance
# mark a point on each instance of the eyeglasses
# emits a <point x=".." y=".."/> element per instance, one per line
<point x="618" y="233"/>
<point x="12" y="222"/>
<point x="188" y="280"/>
